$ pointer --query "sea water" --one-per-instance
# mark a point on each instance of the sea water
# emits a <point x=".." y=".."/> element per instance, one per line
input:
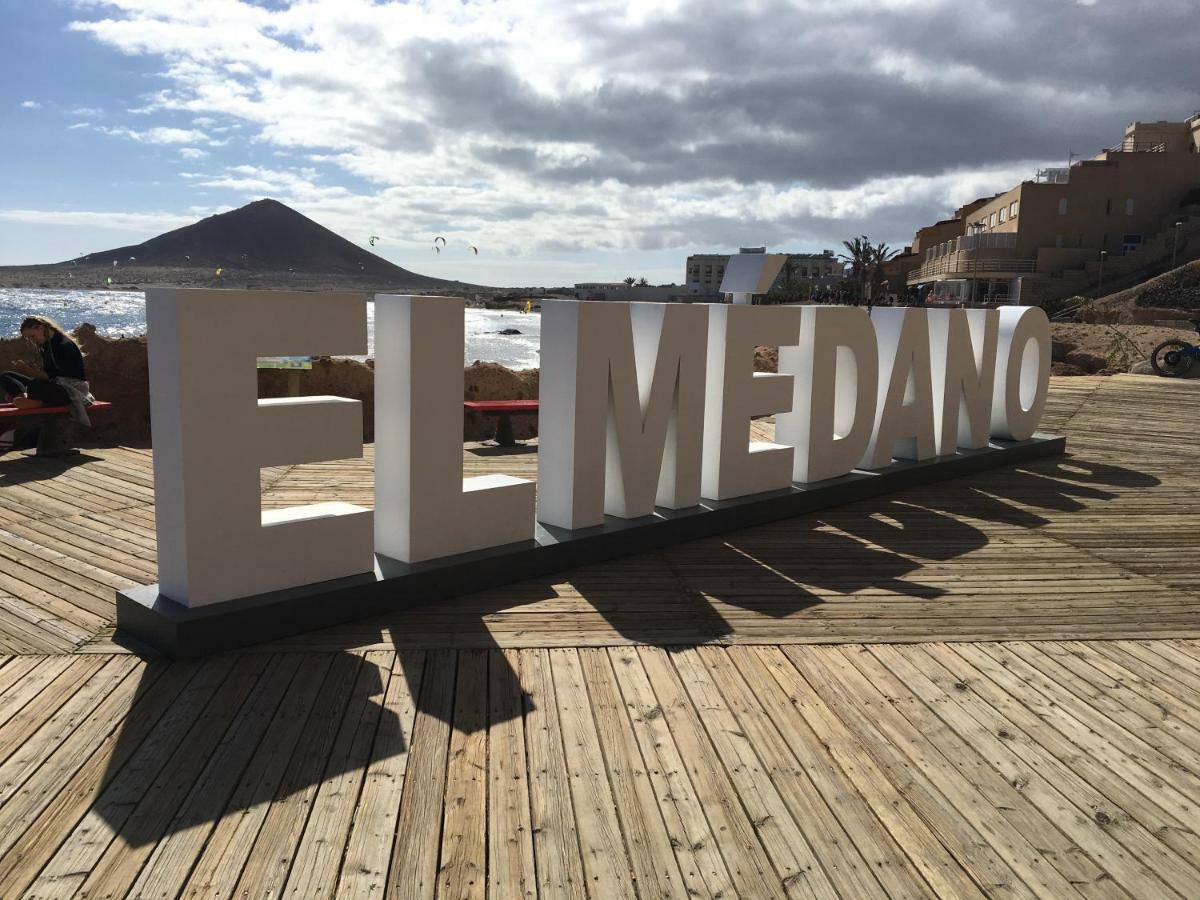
<point x="123" y="313"/>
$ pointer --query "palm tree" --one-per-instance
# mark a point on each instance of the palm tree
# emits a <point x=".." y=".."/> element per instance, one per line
<point x="866" y="266"/>
<point x="642" y="282"/>
<point x="879" y="254"/>
<point x="629" y="280"/>
<point x="859" y="258"/>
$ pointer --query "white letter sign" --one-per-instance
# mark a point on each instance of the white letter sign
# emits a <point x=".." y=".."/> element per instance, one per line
<point x="212" y="435"/>
<point x="621" y="410"/>
<point x="733" y="465"/>
<point x="904" y="416"/>
<point x="962" y="344"/>
<point x="836" y="367"/>
<point x="1023" y="372"/>
<point x="424" y="508"/>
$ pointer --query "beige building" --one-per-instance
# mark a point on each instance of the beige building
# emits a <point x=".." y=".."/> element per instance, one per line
<point x="1070" y="230"/>
<point x="705" y="271"/>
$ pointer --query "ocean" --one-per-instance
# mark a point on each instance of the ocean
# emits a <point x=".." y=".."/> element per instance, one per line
<point x="123" y="313"/>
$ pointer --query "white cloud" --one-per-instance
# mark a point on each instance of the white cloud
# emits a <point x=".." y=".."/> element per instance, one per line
<point x="30" y="104"/>
<point x="124" y="221"/>
<point x="160" y="135"/>
<point x="615" y="126"/>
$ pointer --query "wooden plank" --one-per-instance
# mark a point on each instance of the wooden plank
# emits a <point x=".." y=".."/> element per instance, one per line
<point x="555" y="838"/>
<point x="219" y="865"/>
<point x="1152" y="748"/>
<point x="748" y="863"/>
<point x="510" y="834"/>
<point x="700" y="861"/>
<point x="607" y="869"/>
<point x="1123" y="794"/>
<point x="318" y="859"/>
<point x="14" y="670"/>
<point x="775" y="738"/>
<point x="122" y="860"/>
<point x="280" y="828"/>
<point x="413" y="870"/>
<point x="651" y="857"/>
<point x="38" y="701"/>
<point x="1062" y="833"/>
<point x="48" y="734"/>
<point x="1046" y="769"/>
<point x="93" y="833"/>
<point x="796" y="864"/>
<point x="166" y="868"/>
<point x="952" y="829"/>
<point x="463" y="867"/>
<point x="36" y="823"/>
<point x="364" y="873"/>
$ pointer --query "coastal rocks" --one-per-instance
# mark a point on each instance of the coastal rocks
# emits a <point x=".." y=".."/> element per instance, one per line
<point x="509" y="331"/>
<point x="491" y="381"/>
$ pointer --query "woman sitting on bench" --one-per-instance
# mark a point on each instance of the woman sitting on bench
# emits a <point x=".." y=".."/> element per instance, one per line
<point x="59" y="381"/>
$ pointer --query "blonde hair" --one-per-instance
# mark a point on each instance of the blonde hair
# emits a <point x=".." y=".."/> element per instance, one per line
<point x="50" y="325"/>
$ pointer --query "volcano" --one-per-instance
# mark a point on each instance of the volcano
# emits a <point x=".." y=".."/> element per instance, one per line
<point x="265" y="236"/>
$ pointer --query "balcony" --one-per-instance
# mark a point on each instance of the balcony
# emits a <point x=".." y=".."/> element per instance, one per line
<point x="959" y="265"/>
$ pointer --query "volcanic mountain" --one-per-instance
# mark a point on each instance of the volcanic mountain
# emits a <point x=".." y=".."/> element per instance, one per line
<point x="264" y="236"/>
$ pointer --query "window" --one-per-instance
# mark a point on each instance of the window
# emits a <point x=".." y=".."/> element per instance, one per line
<point x="1003" y="214"/>
<point x="1129" y="206"/>
<point x="992" y="221"/>
<point x="1012" y="209"/>
<point x="1062" y="206"/>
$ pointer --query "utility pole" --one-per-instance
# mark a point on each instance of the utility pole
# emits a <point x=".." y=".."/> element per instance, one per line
<point x="1175" y="244"/>
<point x="1100" y="280"/>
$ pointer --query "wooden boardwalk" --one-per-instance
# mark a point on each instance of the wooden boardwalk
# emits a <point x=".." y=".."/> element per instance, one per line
<point x="983" y="688"/>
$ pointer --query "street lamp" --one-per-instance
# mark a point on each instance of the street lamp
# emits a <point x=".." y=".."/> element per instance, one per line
<point x="1100" y="280"/>
<point x="1175" y="244"/>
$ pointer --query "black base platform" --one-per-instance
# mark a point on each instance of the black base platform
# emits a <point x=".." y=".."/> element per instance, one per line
<point x="180" y="632"/>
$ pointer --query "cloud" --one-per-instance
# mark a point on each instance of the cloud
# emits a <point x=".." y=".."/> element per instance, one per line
<point x="30" y="104"/>
<point x="160" y="135"/>
<point x="192" y="153"/>
<point x="669" y="125"/>
<point x="124" y="221"/>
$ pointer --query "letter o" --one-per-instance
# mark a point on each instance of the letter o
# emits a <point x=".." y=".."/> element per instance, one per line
<point x="1023" y="353"/>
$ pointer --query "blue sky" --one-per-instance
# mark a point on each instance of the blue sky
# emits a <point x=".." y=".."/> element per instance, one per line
<point x="570" y="142"/>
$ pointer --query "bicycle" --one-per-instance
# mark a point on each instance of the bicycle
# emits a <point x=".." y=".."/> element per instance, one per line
<point x="1174" y="358"/>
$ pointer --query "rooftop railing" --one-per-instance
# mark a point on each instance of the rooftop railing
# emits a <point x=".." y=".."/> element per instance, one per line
<point x="948" y="265"/>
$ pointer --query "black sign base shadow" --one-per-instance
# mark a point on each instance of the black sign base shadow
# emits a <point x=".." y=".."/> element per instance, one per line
<point x="180" y="632"/>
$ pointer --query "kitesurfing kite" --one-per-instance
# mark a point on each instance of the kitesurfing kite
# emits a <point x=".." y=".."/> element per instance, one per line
<point x="437" y="248"/>
<point x="372" y="239"/>
<point x="440" y="238"/>
<point x="474" y="249"/>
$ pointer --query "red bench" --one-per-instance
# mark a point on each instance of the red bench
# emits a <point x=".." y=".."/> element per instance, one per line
<point x="55" y="437"/>
<point x="503" y="410"/>
<point x="8" y="411"/>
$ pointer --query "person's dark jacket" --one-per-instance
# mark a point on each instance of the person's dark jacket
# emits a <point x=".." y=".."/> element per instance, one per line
<point x="60" y="356"/>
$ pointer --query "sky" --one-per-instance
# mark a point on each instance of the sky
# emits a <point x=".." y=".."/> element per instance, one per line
<point x="568" y="141"/>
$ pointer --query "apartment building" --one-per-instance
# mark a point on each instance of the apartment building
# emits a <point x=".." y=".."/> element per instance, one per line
<point x="705" y="271"/>
<point x="1131" y="206"/>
